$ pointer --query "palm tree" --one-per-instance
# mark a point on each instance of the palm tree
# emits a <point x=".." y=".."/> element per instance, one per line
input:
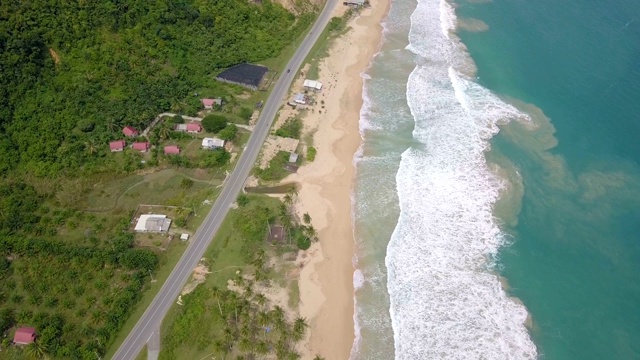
<point x="318" y="357"/>
<point x="282" y="348"/>
<point x="299" y="327"/>
<point x="263" y="319"/>
<point x="258" y="258"/>
<point x="246" y="345"/>
<point x="111" y="125"/>
<point x="36" y="350"/>
<point x="164" y="132"/>
<point x="90" y="147"/>
<point x="216" y="294"/>
<point x="262" y="347"/>
<point x="261" y="299"/>
<point x="277" y="314"/>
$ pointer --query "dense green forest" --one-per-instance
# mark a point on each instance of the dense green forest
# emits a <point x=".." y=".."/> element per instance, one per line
<point x="72" y="73"/>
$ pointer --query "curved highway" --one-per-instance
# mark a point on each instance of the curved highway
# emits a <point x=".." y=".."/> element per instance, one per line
<point x="152" y="317"/>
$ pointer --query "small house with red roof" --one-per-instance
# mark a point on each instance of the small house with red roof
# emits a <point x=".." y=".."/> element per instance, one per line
<point x="116" y="146"/>
<point x="208" y="103"/>
<point x="130" y="131"/>
<point x="24" y="336"/>
<point x="171" y="150"/>
<point x="190" y="128"/>
<point x="141" y="146"/>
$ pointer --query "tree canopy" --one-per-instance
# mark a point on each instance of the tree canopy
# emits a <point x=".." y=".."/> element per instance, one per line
<point x="73" y="73"/>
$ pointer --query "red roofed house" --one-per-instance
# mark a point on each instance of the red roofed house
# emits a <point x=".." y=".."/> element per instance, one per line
<point x="208" y="103"/>
<point x="191" y="127"/>
<point x="171" y="150"/>
<point x="194" y="128"/>
<point x="141" y="146"/>
<point x="130" y="131"/>
<point x="24" y="336"/>
<point x="116" y="146"/>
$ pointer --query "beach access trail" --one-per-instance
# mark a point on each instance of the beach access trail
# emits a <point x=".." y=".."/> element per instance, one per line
<point x="149" y="324"/>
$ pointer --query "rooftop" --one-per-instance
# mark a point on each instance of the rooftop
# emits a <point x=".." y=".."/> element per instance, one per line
<point x="153" y="222"/>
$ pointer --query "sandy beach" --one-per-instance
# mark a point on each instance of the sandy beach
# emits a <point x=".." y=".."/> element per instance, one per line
<point x="326" y="280"/>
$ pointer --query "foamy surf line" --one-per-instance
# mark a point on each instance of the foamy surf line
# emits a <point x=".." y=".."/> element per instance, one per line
<point x="445" y="302"/>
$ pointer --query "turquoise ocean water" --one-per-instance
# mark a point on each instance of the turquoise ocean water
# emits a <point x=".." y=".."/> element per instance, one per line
<point x="497" y="202"/>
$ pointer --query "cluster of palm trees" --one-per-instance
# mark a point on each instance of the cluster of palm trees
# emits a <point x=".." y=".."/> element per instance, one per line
<point x="252" y="327"/>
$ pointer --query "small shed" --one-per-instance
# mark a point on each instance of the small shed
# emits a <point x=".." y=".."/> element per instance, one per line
<point x="171" y="150"/>
<point x="300" y="99"/>
<point x="313" y="85"/>
<point x="212" y="143"/>
<point x="293" y="158"/>
<point x="153" y="223"/>
<point x="116" y="146"/>
<point x="129" y="131"/>
<point x="184" y="237"/>
<point x="141" y="146"/>
<point x="24" y="336"/>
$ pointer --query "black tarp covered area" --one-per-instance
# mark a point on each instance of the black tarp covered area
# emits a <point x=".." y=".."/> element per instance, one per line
<point x="247" y="74"/>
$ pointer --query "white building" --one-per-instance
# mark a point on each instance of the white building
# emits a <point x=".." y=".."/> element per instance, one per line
<point x="300" y="99"/>
<point x="153" y="222"/>
<point x="212" y="143"/>
<point x="312" y="85"/>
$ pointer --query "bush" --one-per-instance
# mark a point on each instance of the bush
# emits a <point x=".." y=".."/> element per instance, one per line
<point x="229" y="132"/>
<point x="245" y="113"/>
<point x="290" y="129"/>
<point x="177" y="119"/>
<point x="186" y="183"/>
<point x="303" y="243"/>
<point x="214" y="123"/>
<point x="181" y="221"/>
<point x="215" y="158"/>
<point x="243" y="200"/>
<point x="311" y="153"/>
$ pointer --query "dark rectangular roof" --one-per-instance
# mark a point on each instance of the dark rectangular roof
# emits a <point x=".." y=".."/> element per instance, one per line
<point x="247" y="74"/>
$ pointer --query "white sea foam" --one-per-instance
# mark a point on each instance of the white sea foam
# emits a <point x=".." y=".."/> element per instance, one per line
<point x="445" y="302"/>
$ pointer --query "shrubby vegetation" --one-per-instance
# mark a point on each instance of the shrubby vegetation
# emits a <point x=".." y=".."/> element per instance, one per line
<point x="243" y="324"/>
<point x="275" y="170"/>
<point x="77" y="297"/>
<point x="290" y="129"/>
<point x="214" y="123"/>
<point x="311" y="153"/>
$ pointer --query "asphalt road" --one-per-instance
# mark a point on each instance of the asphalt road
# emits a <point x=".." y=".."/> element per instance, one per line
<point x="152" y="317"/>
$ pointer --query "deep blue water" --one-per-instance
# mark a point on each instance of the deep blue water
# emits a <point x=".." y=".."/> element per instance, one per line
<point x="575" y="259"/>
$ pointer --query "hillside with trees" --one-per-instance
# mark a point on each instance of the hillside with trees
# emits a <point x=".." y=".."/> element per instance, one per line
<point x="72" y="73"/>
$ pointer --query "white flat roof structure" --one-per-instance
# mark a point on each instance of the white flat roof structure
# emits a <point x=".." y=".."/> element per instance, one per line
<point x="184" y="237"/>
<point x="212" y="143"/>
<point x="299" y="99"/>
<point x="313" y="84"/>
<point x="153" y="222"/>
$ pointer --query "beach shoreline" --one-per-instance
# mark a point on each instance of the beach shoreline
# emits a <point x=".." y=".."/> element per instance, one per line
<point x="326" y="186"/>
